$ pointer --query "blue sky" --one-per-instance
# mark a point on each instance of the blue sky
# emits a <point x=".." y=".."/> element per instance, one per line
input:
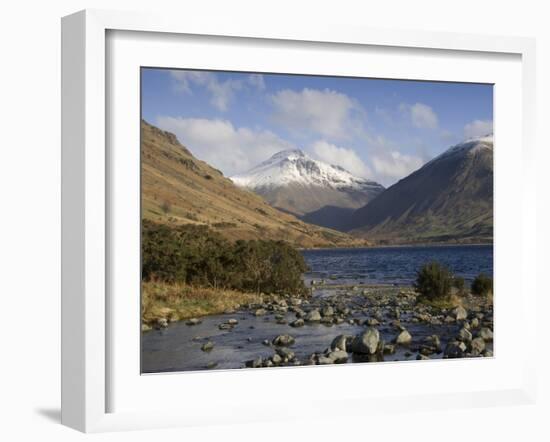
<point x="378" y="129"/>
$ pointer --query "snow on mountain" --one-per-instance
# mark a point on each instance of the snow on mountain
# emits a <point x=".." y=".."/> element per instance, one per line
<point x="469" y="146"/>
<point x="290" y="167"/>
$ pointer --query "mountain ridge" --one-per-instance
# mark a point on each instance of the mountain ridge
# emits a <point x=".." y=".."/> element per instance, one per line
<point x="449" y="199"/>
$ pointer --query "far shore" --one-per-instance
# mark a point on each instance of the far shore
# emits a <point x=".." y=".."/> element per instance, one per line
<point x="390" y="246"/>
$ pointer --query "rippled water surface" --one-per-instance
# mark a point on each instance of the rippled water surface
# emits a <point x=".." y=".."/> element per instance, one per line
<point x="396" y="265"/>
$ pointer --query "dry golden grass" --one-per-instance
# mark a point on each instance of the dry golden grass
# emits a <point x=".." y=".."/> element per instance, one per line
<point x="178" y="301"/>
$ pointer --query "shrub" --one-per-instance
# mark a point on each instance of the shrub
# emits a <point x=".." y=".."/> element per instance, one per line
<point x="199" y="256"/>
<point x="482" y="285"/>
<point x="433" y="281"/>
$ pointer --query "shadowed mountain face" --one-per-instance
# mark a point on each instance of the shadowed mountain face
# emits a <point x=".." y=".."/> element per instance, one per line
<point x="315" y="191"/>
<point x="177" y="188"/>
<point x="449" y="199"/>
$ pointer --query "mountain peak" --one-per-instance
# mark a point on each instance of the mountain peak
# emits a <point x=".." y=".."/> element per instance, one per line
<point x="293" y="166"/>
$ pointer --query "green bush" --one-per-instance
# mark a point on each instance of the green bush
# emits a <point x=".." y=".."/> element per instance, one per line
<point x="482" y="285"/>
<point x="199" y="256"/>
<point x="433" y="281"/>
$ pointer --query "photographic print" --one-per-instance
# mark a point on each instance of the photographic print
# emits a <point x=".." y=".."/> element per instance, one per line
<point x="292" y="220"/>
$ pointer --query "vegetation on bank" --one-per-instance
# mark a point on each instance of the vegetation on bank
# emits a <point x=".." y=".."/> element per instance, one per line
<point x="191" y="270"/>
<point x="439" y="287"/>
<point x="178" y="301"/>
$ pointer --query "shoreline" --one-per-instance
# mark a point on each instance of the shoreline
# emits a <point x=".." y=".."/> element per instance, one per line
<point x="392" y="246"/>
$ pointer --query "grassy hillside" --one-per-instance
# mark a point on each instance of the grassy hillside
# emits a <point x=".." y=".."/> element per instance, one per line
<point x="177" y="188"/>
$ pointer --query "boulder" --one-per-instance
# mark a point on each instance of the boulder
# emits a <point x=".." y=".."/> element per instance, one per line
<point x="338" y="356"/>
<point x="464" y="335"/>
<point x="313" y="316"/>
<point x="283" y="340"/>
<point x="460" y="313"/>
<point x="478" y="345"/>
<point x="403" y="338"/>
<point x="339" y="343"/>
<point x="454" y="350"/>
<point x="486" y="333"/>
<point x="367" y="342"/>
<point x="161" y="323"/>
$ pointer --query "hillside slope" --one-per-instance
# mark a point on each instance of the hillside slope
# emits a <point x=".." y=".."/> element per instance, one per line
<point x="178" y="188"/>
<point x="449" y="199"/>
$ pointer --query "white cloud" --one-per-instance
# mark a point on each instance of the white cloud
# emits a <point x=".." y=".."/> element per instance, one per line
<point x="421" y="115"/>
<point x="325" y="112"/>
<point x="478" y="128"/>
<point x="221" y="93"/>
<point x="220" y="144"/>
<point x="257" y="80"/>
<point x="341" y="156"/>
<point x="393" y="165"/>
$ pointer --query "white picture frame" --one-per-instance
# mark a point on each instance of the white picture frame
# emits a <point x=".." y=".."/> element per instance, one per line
<point x="86" y="205"/>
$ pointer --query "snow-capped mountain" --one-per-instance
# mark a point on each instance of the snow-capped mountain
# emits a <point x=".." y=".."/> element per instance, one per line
<point x="450" y="198"/>
<point x="292" y="181"/>
<point x="295" y="167"/>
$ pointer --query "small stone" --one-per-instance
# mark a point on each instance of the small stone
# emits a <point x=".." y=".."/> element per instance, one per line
<point x="211" y="365"/>
<point x="478" y="345"/>
<point x="208" y="346"/>
<point x="327" y="311"/>
<point x="486" y="333"/>
<point x="460" y="313"/>
<point x="403" y="338"/>
<point x="283" y="340"/>
<point x="161" y="323"/>
<point x="313" y="316"/>
<point x="464" y="335"/>
<point x="260" y="312"/>
<point x="297" y="323"/>
<point x="193" y="321"/>
<point x="421" y="357"/>
<point x="232" y="321"/>
<point x="277" y="359"/>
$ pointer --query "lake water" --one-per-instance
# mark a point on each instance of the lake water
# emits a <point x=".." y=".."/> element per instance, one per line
<point x="395" y="265"/>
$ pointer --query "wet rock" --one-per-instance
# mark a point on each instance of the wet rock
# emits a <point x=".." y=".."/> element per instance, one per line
<point x="277" y="359"/>
<point x="487" y="353"/>
<point x="225" y="326"/>
<point x="460" y="313"/>
<point x="145" y="327"/>
<point x="211" y="365"/>
<point x="266" y="343"/>
<point x="338" y="356"/>
<point x="324" y="360"/>
<point x="260" y="312"/>
<point x="340" y="342"/>
<point x="449" y="319"/>
<point x="297" y="323"/>
<point x="464" y="335"/>
<point x="421" y="357"/>
<point x="367" y="342"/>
<point x="403" y="338"/>
<point x="281" y="321"/>
<point x="285" y="353"/>
<point x="208" y="346"/>
<point x="478" y="345"/>
<point x="327" y="310"/>
<point x="389" y="349"/>
<point x="313" y="316"/>
<point x="283" y="340"/>
<point x="454" y="350"/>
<point x="255" y="363"/>
<point x="372" y="322"/>
<point x="475" y="323"/>
<point x="232" y="321"/>
<point x="193" y="321"/>
<point x="486" y="333"/>
<point x="161" y="323"/>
